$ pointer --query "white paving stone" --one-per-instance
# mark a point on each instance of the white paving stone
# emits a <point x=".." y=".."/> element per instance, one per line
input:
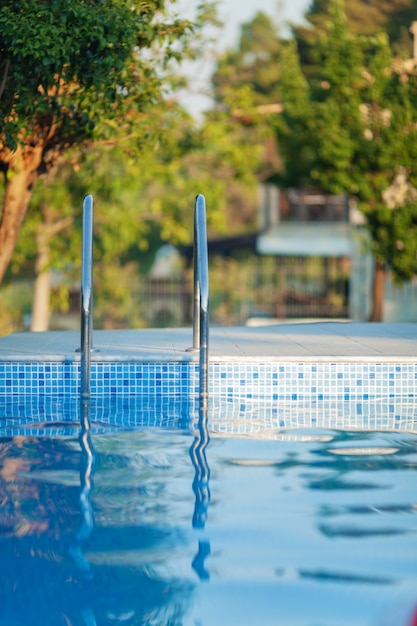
<point x="319" y="341"/>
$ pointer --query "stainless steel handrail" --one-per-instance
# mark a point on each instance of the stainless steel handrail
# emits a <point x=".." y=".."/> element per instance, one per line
<point x="201" y="294"/>
<point x="86" y="296"/>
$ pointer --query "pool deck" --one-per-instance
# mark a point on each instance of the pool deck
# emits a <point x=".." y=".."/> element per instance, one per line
<point x="300" y="342"/>
<point x="262" y="379"/>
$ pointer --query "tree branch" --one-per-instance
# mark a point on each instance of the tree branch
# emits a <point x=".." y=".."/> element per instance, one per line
<point x="4" y="79"/>
<point x="63" y="223"/>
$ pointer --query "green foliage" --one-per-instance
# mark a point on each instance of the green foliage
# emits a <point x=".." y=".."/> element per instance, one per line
<point x="79" y="73"/>
<point x="142" y="199"/>
<point x="292" y="125"/>
<point x="15" y="304"/>
<point x="363" y="17"/>
<point x="359" y="120"/>
<point x="71" y="71"/>
<point x="67" y="64"/>
<point x="76" y="72"/>
<point x="254" y="63"/>
<point x="246" y="86"/>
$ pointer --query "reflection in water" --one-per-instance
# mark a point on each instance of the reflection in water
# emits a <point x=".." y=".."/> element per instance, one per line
<point x="87" y="525"/>
<point x="338" y="530"/>
<point x="201" y="489"/>
<point x="86" y="478"/>
<point x="198" y="561"/>
<point x="56" y="559"/>
<point x="346" y="577"/>
<point x="363" y="451"/>
<point x="202" y="471"/>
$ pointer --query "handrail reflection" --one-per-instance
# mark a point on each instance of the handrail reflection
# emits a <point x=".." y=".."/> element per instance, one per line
<point x="201" y="489"/>
<point x="87" y="468"/>
<point x="86" y="475"/>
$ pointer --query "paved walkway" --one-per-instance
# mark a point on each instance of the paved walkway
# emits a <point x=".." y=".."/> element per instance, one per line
<point x="319" y="341"/>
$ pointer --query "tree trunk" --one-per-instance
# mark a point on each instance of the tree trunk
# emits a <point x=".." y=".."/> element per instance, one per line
<point x="42" y="286"/>
<point x="23" y="165"/>
<point x="378" y="292"/>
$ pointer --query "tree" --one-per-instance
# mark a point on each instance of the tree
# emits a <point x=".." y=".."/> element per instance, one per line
<point x="246" y="85"/>
<point x="142" y="199"/>
<point x="255" y="62"/>
<point x="363" y="17"/>
<point x="356" y="126"/>
<point x="72" y="72"/>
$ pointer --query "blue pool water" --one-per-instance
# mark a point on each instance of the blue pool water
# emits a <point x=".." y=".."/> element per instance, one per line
<point x="182" y="524"/>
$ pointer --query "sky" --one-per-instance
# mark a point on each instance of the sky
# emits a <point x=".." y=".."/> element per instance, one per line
<point x="233" y="13"/>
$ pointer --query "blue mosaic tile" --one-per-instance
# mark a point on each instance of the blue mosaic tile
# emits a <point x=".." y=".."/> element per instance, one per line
<point x="273" y="381"/>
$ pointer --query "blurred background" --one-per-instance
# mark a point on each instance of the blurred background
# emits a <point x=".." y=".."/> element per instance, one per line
<point x="296" y="120"/>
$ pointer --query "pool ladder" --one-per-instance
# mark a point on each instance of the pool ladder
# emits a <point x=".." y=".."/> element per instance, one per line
<point x="201" y="296"/>
<point x="86" y="297"/>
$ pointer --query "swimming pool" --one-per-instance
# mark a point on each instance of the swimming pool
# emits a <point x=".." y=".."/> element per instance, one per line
<point x="292" y="501"/>
<point x="184" y="525"/>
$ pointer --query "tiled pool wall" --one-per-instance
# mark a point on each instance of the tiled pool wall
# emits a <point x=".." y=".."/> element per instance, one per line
<point x="269" y="381"/>
<point x="245" y="396"/>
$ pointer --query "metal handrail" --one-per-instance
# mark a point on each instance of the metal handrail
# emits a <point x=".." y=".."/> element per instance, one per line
<point x="86" y="296"/>
<point x="201" y="294"/>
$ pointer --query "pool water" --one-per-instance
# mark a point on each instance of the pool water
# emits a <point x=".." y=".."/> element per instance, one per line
<point x="165" y="526"/>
